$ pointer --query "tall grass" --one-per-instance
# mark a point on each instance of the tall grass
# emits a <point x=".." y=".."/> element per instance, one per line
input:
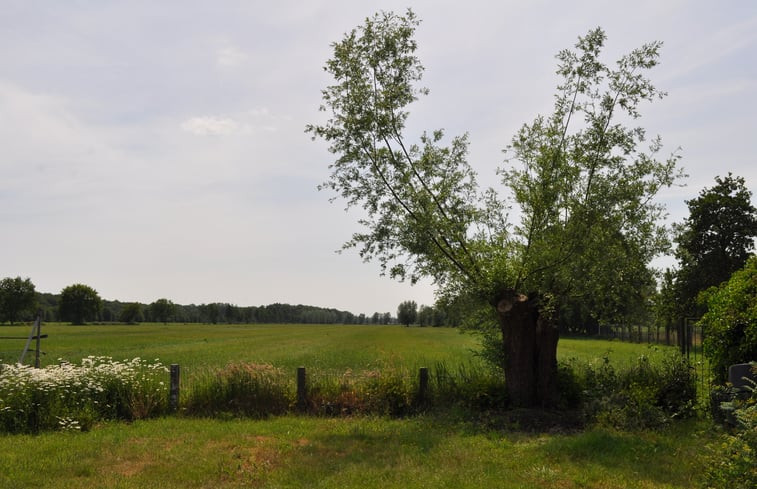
<point x="240" y="389"/>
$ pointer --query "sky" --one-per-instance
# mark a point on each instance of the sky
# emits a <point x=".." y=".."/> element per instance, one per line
<point x="157" y="149"/>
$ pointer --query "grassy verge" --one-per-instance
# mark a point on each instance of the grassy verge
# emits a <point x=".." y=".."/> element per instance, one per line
<point x="344" y="453"/>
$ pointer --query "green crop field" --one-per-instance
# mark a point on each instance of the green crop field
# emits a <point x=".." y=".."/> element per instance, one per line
<point x="433" y="450"/>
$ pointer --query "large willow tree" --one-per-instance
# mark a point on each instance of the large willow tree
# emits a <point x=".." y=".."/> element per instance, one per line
<point x="578" y="181"/>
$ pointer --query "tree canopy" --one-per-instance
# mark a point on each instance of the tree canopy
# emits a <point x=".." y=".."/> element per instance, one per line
<point x="17" y="299"/>
<point x="580" y="181"/>
<point x="131" y="313"/>
<point x="407" y="312"/>
<point x="715" y="240"/>
<point x="162" y="310"/>
<point x="79" y="303"/>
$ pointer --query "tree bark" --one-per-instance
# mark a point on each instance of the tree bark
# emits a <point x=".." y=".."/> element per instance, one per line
<point x="530" y="348"/>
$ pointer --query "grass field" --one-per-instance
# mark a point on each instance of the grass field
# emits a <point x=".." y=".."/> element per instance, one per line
<point x="322" y="347"/>
<point x="440" y="450"/>
<point x="297" y="452"/>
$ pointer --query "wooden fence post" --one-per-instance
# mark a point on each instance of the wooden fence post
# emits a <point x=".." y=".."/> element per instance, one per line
<point x="173" y="402"/>
<point x="423" y="385"/>
<point x="302" y="395"/>
<point x="39" y="338"/>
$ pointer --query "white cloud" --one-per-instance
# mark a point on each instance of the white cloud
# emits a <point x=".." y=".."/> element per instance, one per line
<point x="230" y="56"/>
<point x="210" y="126"/>
<point x="247" y="122"/>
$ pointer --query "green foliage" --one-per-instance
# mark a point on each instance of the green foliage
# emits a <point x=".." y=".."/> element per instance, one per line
<point x="586" y="185"/>
<point x="17" y="299"/>
<point x="731" y="321"/>
<point x="79" y="303"/>
<point x="579" y="178"/>
<point x="420" y="199"/>
<point x="733" y="461"/>
<point x="714" y="241"/>
<point x="131" y="313"/>
<point x="584" y="189"/>
<point x="644" y="395"/>
<point x="162" y="310"/>
<point x="71" y="397"/>
<point x="407" y="312"/>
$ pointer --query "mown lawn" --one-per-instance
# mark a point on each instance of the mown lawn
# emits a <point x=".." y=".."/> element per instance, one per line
<point x="420" y="452"/>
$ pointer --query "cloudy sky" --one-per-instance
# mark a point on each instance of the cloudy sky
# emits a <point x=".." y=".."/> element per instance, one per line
<point x="157" y="149"/>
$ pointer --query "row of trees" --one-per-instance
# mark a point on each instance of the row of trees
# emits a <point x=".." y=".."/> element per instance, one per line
<point x="79" y="303"/>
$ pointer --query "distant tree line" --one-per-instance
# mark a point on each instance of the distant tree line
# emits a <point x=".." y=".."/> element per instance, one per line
<point x="78" y="303"/>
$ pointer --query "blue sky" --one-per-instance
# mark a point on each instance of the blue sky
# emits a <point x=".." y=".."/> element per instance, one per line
<point x="157" y="149"/>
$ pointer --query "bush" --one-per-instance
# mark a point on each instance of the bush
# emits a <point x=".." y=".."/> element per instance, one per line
<point x="731" y="321"/>
<point x="645" y="395"/>
<point x="67" y="396"/>
<point x="733" y="461"/>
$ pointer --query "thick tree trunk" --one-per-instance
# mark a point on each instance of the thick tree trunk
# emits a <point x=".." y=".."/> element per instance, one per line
<point x="530" y="348"/>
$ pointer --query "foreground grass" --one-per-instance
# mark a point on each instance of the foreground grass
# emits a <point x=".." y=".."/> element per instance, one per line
<point x="344" y="453"/>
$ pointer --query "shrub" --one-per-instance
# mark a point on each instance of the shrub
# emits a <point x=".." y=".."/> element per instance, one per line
<point x="733" y="461"/>
<point x="644" y="395"/>
<point x="731" y="321"/>
<point x="67" y="396"/>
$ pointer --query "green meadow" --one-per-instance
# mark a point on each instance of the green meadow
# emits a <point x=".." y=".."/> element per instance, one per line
<point x="447" y="449"/>
<point x="322" y="347"/>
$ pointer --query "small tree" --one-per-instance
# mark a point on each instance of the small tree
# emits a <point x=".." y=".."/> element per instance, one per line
<point x="17" y="299"/>
<point x="162" y="310"/>
<point x="407" y="312"/>
<point x="583" y="187"/>
<point x="79" y="303"/>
